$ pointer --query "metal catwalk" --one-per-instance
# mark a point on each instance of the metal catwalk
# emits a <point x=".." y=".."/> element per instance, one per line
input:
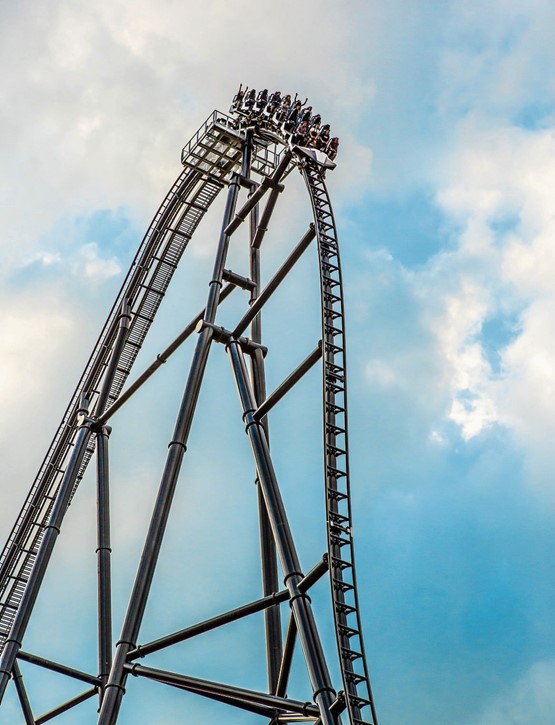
<point x="248" y="154"/>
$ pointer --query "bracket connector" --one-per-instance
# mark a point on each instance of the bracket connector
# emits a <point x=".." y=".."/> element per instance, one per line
<point x="220" y="334"/>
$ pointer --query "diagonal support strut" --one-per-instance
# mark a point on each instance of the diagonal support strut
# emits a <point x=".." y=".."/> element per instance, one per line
<point x="323" y="692"/>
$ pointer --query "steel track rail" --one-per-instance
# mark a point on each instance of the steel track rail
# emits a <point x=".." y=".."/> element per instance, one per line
<point x="143" y="289"/>
<point x="348" y="627"/>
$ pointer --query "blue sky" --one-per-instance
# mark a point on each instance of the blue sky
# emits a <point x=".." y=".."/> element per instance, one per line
<point x="444" y="201"/>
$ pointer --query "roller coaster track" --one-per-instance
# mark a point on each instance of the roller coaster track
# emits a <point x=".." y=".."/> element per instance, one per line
<point x="213" y="160"/>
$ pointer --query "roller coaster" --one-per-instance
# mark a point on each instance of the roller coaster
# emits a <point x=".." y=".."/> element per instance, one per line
<point x="252" y="155"/>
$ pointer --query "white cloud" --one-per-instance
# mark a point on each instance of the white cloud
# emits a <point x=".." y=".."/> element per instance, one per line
<point x="47" y="259"/>
<point x="39" y="346"/>
<point x="84" y="263"/>
<point x="380" y="373"/>
<point x="499" y="174"/>
<point x="26" y="328"/>
<point x="83" y="136"/>
<point x="494" y="188"/>
<point x="496" y="58"/>
<point x="495" y="170"/>
<point x="463" y="311"/>
<point x="97" y="102"/>
<point x="94" y="267"/>
<point x="531" y="699"/>
<point x="525" y="396"/>
<point x="437" y="438"/>
<point x="473" y="415"/>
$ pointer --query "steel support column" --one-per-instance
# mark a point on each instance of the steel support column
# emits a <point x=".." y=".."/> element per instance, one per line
<point x="270" y="582"/>
<point x="104" y="553"/>
<point x="323" y="691"/>
<point x="77" y="700"/>
<point x="291" y="380"/>
<point x="232" y="616"/>
<point x="161" y="358"/>
<point x="287" y="660"/>
<point x="51" y="531"/>
<point x="274" y="283"/>
<point x="238" y="696"/>
<point x="115" y="687"/>
<point x="63" y="497"/>
<point x="22" y="694"/>
<point x="58" y="667"/>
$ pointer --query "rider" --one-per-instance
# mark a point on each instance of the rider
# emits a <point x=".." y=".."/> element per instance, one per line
<point x="299" y="137"/>
<point x="332" y="148"/>
<point x="238" y="99"/>
<point x="323" y="137"/>
<point x="250" y="99"/>
<point x="293" y="117"/>
<point x="313" y="134"/>
<point x="274" y="103"/>
<point x="306" y="114"/>
<point x="316" y="119"/>
<point x="262" y="100"/>
<point x="284" y="108"/>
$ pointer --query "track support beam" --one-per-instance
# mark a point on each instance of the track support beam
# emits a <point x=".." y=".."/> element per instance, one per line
<point x="291" y="380"/>
<point x="287" y="659"/>
<point x="220" y="334"/>
<point x="268" y="556"/>
<point x="66" y="706"/>
<point x="245" y="699"/>
<point x="323" y="691"/>
<point x="51" y="532"/>
<point x="123" y="333"/>
<point x="233" y="615"/>
<point x="161" y="358"/>
<point x="274" y="283"/>
<point x="104" y="554"/>
<point x="115" y="687"/>
<point x="59" y="668"/>
<point x="267" y="183"/>
<point x="22" y="695"/>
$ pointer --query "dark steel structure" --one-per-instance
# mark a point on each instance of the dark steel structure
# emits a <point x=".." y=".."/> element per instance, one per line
<point x="250" y="156"/>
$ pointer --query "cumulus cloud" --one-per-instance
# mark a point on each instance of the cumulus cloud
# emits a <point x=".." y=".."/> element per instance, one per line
<point x="26" y="328"/>
<point x="530" y="699"/>
<point x="495" y="59"/>
<point x="94" y="267"/>
<point x="36" y="354"/>
<point x="96" y="104"/>
<point x="44" y="258"/>
<point x="85" y="263"/>
<point x="486" y="297"/>
<point x="496" y="191"/>
<point x="89" y="137"/>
